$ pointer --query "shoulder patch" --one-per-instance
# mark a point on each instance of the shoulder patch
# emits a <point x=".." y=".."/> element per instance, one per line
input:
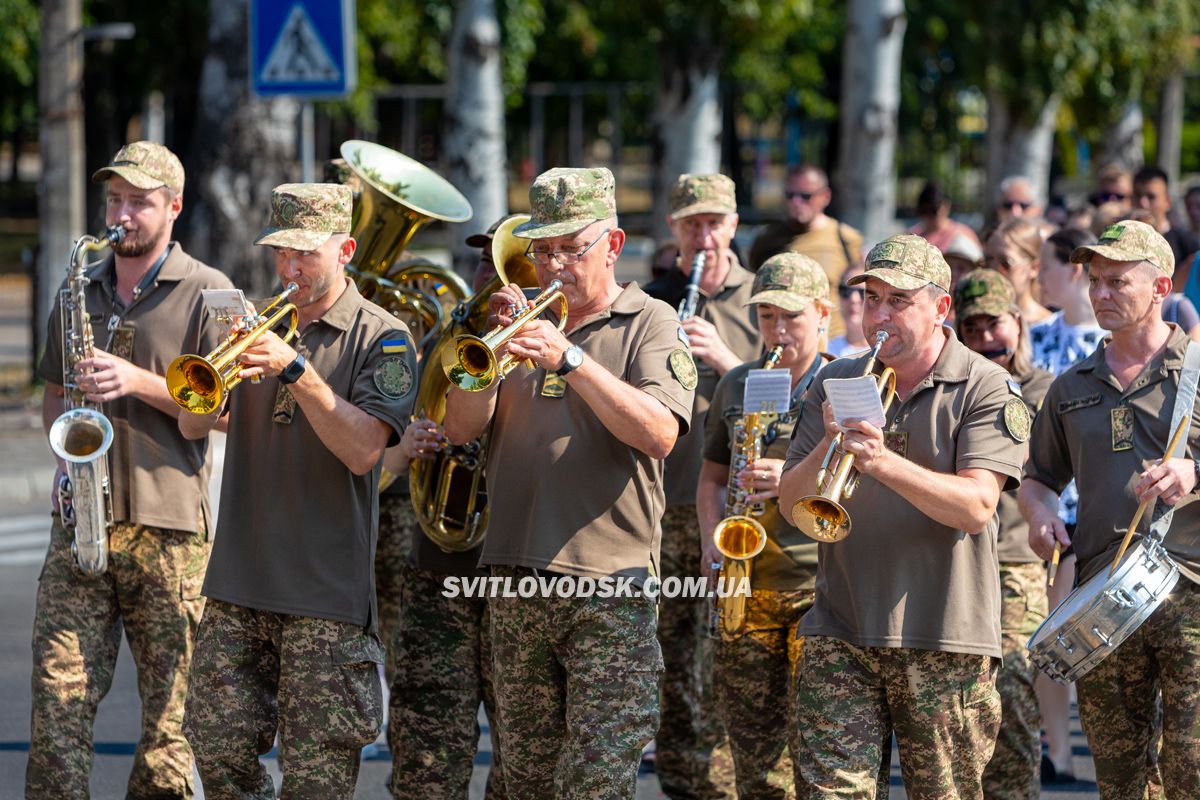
<point x="1017" y="420"/>
<point x="393" y="377"/>
<point x="683" y="368"/>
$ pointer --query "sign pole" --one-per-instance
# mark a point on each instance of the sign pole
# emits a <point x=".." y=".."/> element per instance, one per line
<point x="307" y="142"/>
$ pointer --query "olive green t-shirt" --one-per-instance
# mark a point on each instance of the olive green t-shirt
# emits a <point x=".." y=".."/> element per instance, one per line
<point x="901" y="579"/>
<point x="564" y="493"/>
<point x="737" y="326"/>
<point x="1014" y="530"/>
<point x="297" y="529"/>
<point x="1085" y="414"/>
<point x="789" y="560"/>
<point x="158" y="478"/>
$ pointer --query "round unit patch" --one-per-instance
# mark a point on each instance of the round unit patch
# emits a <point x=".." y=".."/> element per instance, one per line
<point x="683" y="368"/>
<point x="393" y="377"/>
<point x="1017" y="419"/>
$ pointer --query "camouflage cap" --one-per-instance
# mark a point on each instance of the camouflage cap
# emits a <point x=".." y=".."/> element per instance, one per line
<point x="305" y="215"/>
<point x="790" y="281"/>
<point x="983" y="291"/>
<point x="146" y="165"/>
<point x="702" y="194"/>
<point x="563" y="201"/>
<point x="906" y="261"/>
<point x="1129" y="240"/>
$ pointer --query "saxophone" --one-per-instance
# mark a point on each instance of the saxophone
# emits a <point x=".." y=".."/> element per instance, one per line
<point x="739" y="536"/>
<point x="82" y="435"/>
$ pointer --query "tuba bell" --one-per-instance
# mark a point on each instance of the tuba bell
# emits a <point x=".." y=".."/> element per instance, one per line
<point x="821" y="516"/>
<point x="449" y="493"/>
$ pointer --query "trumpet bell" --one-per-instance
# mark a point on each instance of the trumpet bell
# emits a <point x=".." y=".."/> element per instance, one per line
<point x="195" y="384"/>
<point x="821" y="518"/>
<point x="470" y="364"/>
<point x="740" y="537"/>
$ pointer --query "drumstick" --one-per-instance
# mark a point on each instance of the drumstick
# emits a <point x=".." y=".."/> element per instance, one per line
<point x="1137" y="517"/>
<point x="1054" y="563"/>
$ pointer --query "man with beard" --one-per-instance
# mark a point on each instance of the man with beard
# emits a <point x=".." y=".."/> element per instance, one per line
<point x="147" y="306"/>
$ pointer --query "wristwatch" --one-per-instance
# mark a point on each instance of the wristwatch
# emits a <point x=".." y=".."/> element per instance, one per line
<point x="292" y="372"/>
<point x="572" y="358"/>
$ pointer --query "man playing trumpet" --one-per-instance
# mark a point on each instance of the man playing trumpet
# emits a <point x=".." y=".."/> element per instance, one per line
<point x="905" y="627"/>
<point x="576" y="678"/>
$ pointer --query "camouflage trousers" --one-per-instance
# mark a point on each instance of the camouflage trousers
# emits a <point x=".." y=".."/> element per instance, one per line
<point x="314" y="681"/>
<point x="397" y="527"/>
<point x="443" y="652"/>
<point x="756" y="694"/>
<point x="1014" y="771"/>
<point x="576" y="681"/>
<point x="1118" y="702"/>
<point x="944" y="708"/>
<point x="692" y="755"/>
<point x="152" y="588"/>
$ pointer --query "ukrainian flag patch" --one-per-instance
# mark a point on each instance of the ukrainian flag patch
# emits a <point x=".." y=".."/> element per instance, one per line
<point x="395" y="345"/>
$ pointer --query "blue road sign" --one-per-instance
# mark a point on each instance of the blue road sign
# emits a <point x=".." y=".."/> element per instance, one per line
<point x="304" y="48"/>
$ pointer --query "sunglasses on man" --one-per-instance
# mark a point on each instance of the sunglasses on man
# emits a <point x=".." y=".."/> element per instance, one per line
<point x="1014" y="204"/>
<point x="805" y="196"/>
<point x="846" y="292"/>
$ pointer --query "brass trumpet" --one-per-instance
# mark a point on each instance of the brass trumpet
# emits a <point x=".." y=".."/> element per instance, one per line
<point x="472" y="365"/>
<point x="199" y="383"/>
<point x="821" y="516"/>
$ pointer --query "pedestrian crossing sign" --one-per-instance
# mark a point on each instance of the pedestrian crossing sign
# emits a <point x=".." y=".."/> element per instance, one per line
<point x="304" y="48"/>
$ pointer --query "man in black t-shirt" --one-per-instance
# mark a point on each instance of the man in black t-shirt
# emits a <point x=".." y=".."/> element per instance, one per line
<point x="1151" y="193"/>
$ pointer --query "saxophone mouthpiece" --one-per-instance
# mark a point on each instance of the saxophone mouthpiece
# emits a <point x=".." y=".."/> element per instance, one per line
<point x="114" y="235"/>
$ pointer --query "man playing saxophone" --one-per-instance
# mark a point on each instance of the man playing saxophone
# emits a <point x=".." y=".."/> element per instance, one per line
<point x="146" y="307"/>
<point x="905" y="625"/>
<point x="755" y="662"/>
<point x="576" y="677"/>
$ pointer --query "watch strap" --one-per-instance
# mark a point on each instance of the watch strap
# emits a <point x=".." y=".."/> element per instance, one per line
<point x="292" y="372"/>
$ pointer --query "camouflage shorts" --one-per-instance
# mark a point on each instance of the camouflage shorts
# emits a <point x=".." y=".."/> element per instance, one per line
<point x="693" y="759"/>
<point x="314" y="681"/>
<point x="1013" y="772"/>
<point x="576" y="684"/>
<point x="397" y="527"/>
<point x="152" y="589"/>
<point x="755" y="691"/>
<point x="943" y="707"/>
<point x="1118" y="703"/>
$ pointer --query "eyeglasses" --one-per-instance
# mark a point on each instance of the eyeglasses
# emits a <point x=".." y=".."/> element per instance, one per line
<point x="805" y="196"/>
<point x="846" y="292"/>
<point x="1010" y="204"/>
<point x="1109" y="197"/>
<point x="565" y="257"/>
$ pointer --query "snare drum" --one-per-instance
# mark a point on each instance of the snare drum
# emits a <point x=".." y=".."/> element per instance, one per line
<point x="1097" y="616"/>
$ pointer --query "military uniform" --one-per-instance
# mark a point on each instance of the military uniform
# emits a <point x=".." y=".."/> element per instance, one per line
<point x="692" y="755"/>
<point x="398" y="529"/>
<point x="288" y="641"/>
<point x="1014" y="770"/>
<point x="576" y="677"/>
<point x="905" y="627"/>
<point x="1103" y="436"/>
<point x="158" y="545"/>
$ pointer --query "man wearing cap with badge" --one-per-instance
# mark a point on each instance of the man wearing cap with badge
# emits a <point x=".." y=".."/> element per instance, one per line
<point x="755" y="660"/>
<point x="146" y="307"/>
<point x="692" y="752"/>
<point x="576" y="673"/>
<point x="990" y="323"/>
<point x="1109" y="430"/>
<point x="905" y="627"/>
<point x="288" y="642"/>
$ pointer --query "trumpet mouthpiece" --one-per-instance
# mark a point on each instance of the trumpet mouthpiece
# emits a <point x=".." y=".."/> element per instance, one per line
<point x="291" y="287"/>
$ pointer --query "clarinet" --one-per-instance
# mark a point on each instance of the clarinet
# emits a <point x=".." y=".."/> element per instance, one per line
<point x="691" y="295"/>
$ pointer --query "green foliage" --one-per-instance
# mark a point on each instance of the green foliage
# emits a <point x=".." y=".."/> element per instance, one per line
<point x="18" y="64"/>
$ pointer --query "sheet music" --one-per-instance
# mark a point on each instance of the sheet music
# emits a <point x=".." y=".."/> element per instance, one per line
<point x="768" y="391"/>
<point x="855" y="398"/>
<point x="226" y="305"/>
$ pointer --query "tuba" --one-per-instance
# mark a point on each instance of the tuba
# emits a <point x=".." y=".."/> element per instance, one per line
<point x="199" y="384"/>
<point x="449" y="493"/>
<point x="740" y="537"/>
<point x="821" y="516"/>
<point x="82" y="434"/>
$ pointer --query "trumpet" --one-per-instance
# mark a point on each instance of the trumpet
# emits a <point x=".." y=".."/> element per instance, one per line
<point x="821" y="516"/>
<point x="472" y="364"/>
<point x="199" y="383"/>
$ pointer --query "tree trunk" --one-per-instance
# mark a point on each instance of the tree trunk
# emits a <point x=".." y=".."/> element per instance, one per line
<point x="866" y="174"/>
<point x="1123" y="142"/>
<point x="60" y="142"/>
<point x="474" y="114"/>
<point x="1017" y="147"/>
<point x="687" y="120"/>
<point x="244" y="147"/>
<point x="1170" y="127"/>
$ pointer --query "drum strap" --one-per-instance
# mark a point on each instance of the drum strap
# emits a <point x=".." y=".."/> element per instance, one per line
<point x="1185" y="400"/>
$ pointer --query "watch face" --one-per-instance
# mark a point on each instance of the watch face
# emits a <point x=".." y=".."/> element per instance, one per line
<point x="574" y="356"/>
